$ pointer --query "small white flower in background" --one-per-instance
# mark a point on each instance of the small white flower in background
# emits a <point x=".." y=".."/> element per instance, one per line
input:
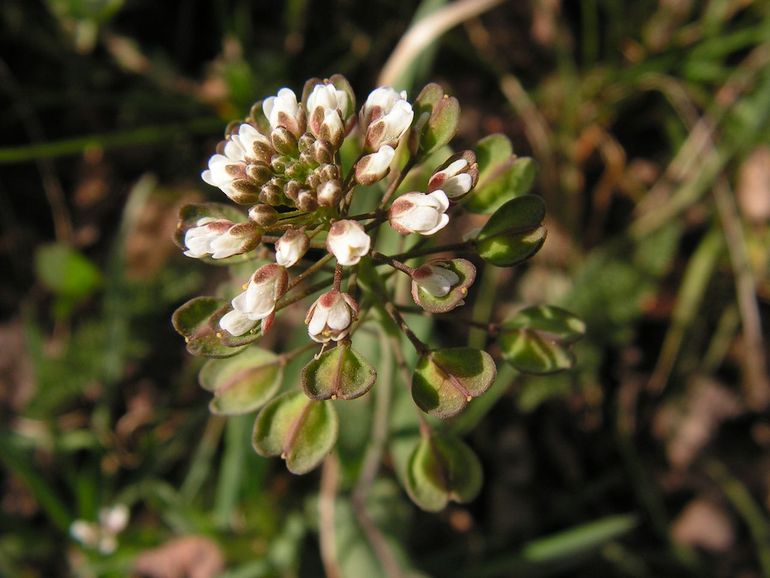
<point x="102" y="535"/>
<point x="220" y="238"/>
<point x="419" y="213"/>
<point x="374" y="167"/>
<point x="291" y="247"/>
<point x="330" y="317"/>
<point x="348" y="242"/>
<point x="457" y="177"/>
<point x="266" y="286"/>
<point x="385" y="117"/>
<point x="435" y="279"/>
<point x="284" y="110"/>
<point x="234" y="171"/>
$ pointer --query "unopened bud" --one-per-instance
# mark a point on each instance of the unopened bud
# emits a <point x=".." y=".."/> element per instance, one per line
<point x="456" y="177"/>
<point x="323" y="152"/>
<point x="375" y="166"/>
<point x="284" y="141"/>
<point x="291" y="247"/>
<point x="329" y="193"/>
<point x="263" y="215"/>
<point x="259" y="172"/>
<point x="305" y="141"/>
<point x="306" y="201"/>
<point x="280" y="162"/>
<point x="271" y="194"/>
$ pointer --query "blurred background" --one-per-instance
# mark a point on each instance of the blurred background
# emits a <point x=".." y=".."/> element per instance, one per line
<point x="650" y="123"/>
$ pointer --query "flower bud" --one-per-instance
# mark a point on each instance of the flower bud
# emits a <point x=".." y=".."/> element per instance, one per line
<point x="306" y="201"/>
<point x="419" y="213"/>
<point x="348" y="242"/>
<point x="284" y="111"/>
<point x="284" y="141"/>
<point x="456" y="177"/>
<point x="375" y="166"/>
<point x="291" y="247"/>
<point x="237" y="168"/>
<point x="329" y="194"/>
<point x="220" y="238"/>
<point x="330" y="317"/>
<point x="271" y="194"/>
<point x="263" y="215"/>
<point x="329" y="97"/>
<point x="327" y="125"/>
<point x="385" y="117"/>
<point x="323" y="152"/>
<point x="266" y="286"/>
<point x="435" y="279"/>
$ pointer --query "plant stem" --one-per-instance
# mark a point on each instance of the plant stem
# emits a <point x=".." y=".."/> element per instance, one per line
<point x="337" y="277"/>
<point x="396" y="182"/>
<point x="309" y="271"/>
<point x="403" y="267"/>
<point x="464" y="246"/>
<point x="330" y="473"/>
<point x="421" y="348"/>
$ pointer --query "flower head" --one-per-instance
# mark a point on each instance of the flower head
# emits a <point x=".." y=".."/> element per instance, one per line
<point x="348" y="242"/>
<point x="419" y="213"/>
<point x="291" y="247"/>
<point x="330" y="317"/>
<point x="385" y="117"/>
<point x="257" y="301"/>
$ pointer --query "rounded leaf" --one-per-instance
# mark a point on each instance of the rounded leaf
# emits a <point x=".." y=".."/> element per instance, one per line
<point x="514" y="232"/>
<point x="300" y="430"/>
<point x="198" y="322"/>
<point x="446" y="380"/>
<point x="537" y="339"/>
<point x="466" y="272"/>
<point x="243" y="383"/>
<point x="340" y="373"/>
<point x="441" y="469"/>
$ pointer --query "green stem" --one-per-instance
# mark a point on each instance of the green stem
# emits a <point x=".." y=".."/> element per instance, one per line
<point x="464" y="246"/>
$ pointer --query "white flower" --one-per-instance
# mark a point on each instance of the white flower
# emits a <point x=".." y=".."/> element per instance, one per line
<point x="348" y="242"/>
<point x="257" y="302"/>
<point x="456" y="179"/>
<point x="284" y="110"/>
<point x="329" y="97"/>
<point x="230" y="171"/>
<point x="375" y="166"/>
<point x="329" y="318"/>
<point x="102" y="535"/>
<point x="385" y="117"/>
<point x="435" y="279"/>
<point x="291" y="247"/>
<point x="220" y="238"/>
<point x="419" y="213"/>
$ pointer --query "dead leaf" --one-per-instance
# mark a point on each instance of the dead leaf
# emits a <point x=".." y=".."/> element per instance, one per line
<point x="704" y="524"/>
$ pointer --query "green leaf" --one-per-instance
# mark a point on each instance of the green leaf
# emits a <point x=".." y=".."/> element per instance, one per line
<point x="66" y="272"/>
<point x="537" y="339"/>
<point x="243" y="383"/>
<point x="340" y="373"/>
<point x="198" y="322"/>
<point x="464" y="269"/>
<point x="437" y="116"/>
<point x="441" y="469"/>
<point x="446" y="380"/>
<point x="502" y="176"/>
<point x="514" y="232"/>
<point x="300" y="430"/>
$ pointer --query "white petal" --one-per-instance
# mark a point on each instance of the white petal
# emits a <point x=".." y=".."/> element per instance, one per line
<point x="457" y="185"/>
<point x="339" y="316"/>
<point x="318" y="320"/>
<point x="440" y="198"/>
<point x="236" y="323"/>
<point x="441" y="224"/>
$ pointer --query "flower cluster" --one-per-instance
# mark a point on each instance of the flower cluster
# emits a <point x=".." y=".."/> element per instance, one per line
<point x="324" y="188"/>
<point x="284" y="162"/>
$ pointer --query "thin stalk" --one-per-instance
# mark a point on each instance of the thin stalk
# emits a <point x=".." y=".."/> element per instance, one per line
<point x="318" y="265"/>
<point x="396" y="264"/>
<point x="464" y="246"/>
